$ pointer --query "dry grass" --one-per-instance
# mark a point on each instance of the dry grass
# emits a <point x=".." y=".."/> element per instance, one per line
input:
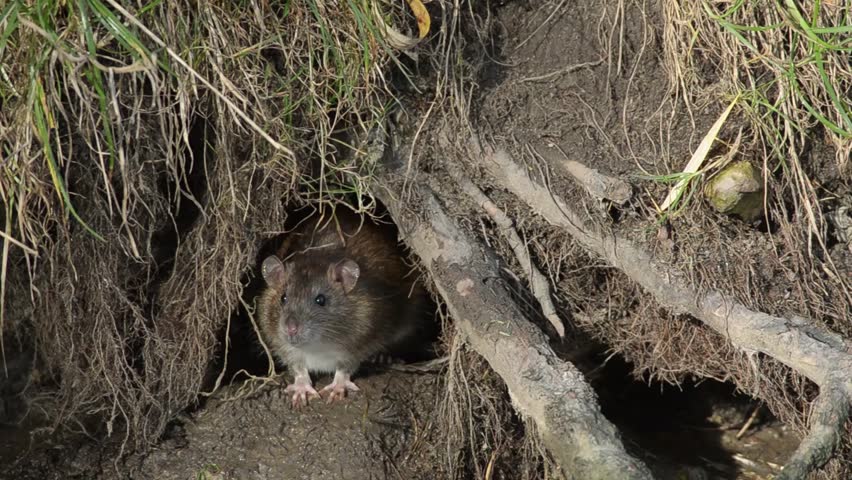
<point x="788" y="59"/>
<point x="789" y="63"/>
<point x="148" y="148"/>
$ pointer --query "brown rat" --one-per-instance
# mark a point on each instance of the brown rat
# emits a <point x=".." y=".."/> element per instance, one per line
<point x="338" y="293"/>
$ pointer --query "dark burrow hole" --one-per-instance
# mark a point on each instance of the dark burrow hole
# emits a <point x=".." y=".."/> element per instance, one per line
<point x="690" y="430"/>
<point x="680" y="431"/>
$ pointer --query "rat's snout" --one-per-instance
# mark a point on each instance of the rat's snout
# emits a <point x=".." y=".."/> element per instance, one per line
<point x="292" y="332"/>
<point x="292" y="329"/>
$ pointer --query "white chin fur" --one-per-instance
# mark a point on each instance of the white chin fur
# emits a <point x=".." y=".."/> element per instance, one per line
<point x="320" y="358"/>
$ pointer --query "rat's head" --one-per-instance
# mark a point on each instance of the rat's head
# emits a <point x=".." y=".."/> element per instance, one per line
<point x="312" y="298"/>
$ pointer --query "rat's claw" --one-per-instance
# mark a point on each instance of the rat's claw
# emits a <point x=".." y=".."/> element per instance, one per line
<point x="302" y="390"/>
<point x="338" y="388"/>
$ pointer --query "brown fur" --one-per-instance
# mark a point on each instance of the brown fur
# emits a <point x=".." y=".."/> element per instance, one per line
<point x="384" y="310"/>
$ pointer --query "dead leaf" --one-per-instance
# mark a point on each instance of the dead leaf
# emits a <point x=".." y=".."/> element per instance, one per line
<point x="422" y="16"/>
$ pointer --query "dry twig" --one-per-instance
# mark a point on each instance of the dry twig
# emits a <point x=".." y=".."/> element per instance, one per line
<point x="749" y="421"/>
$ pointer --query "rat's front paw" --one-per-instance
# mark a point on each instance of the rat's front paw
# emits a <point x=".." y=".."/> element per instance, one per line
<point x="338" y="388"/>
<point x="301" y="390"/>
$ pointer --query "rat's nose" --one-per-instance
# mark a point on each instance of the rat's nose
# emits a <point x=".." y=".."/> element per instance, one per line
<point x="292" y="330"/>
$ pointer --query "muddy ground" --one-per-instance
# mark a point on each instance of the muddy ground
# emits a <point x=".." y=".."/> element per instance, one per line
<point x="547" y="82"/>
<point x="376" y="435"/>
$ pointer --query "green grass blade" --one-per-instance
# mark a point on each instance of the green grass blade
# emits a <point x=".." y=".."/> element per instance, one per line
<point x="806" y="27"/>
<point x="363" y="23"/>
<point x="827" y="30"/>
<point x="150" y="6"/>
<point x="819" y="116"/>
<point x="732" y="9"/>
<point x="9" y="18"/>
<point x="125" y="37"/>
<point x="840" y="105"/>
<point x="96" y="79"/>
<point x="729" y="27"/>
<point x="41" y="116"/>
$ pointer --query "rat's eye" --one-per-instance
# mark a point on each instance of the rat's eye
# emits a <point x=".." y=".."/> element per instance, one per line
<point x="320" y="300"/>
<point x="284" y="298"/>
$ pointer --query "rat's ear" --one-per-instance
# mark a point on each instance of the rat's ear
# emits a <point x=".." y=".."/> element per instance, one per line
<point x="273" y="271"/>
<point x="345" y="273"/>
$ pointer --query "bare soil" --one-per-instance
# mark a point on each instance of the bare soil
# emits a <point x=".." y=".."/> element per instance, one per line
<point x="372" y="436"/>
<point x="389" y="431"/>
<point x="384" y="432"/>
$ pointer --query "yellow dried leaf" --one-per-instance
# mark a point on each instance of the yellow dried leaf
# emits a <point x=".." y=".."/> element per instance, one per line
<point x="422" y="16"/>
<point x="699" y="156"/>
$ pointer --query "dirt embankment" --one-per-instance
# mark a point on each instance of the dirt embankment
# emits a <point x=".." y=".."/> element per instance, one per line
<point x="588" y="80"/>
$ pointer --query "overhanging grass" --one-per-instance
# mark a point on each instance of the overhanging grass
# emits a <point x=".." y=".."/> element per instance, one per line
<point x="98" y="102"/>
<point x="791" y="66"/>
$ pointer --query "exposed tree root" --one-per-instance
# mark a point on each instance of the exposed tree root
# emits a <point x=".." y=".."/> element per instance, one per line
<point x="821" y="356"/>
<point x="550" y="392"/>
<point x="827" y="419"/>
<point x="539" y="284"/>
<point x="597" y="184"/>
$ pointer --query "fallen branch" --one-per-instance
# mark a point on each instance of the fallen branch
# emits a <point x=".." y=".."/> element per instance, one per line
<point x="539" y="284"/>
<point x="819" y="355"/>
<point x="550" y="392"/>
